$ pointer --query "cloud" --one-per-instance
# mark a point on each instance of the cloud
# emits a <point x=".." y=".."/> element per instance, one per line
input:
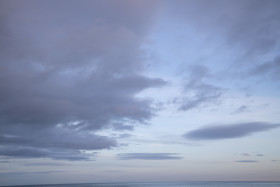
<point x="246" y="32"/>
<point x="30" y="173"/>
<point x="56" y="154"/>
<point x="241" y="109"/>
<point x="69" y="69"/>
<point x="198" y="93"/>
<point x="246" y="154"/>
<point x="247" y="161"/>
<point x="149" y="156"/>
<point x="250" y="24"/>
<point x="270" y="67"/>
<point x="45" y="164"/>
<point x="229" y="131"/>
<point x="260" y="155"/>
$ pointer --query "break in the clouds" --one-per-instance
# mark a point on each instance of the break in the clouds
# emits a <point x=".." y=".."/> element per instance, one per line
<point x="229" y="131"/>
<point x="149" y="156"/>
<point x="69" y="69"/>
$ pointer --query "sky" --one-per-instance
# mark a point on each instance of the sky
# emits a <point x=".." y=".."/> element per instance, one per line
<point x="139" y="91"/>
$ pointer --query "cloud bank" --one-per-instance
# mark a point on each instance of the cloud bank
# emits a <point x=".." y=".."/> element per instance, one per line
<point x="229" y="131"/>
<point x="69" y="69"/>
<point x="247" y="161"/>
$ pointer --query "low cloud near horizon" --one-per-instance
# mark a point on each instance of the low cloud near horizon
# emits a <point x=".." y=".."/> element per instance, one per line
<point x="149" y="156"/>
<point x="229" y="131"/>
<point x="97" y="87"/>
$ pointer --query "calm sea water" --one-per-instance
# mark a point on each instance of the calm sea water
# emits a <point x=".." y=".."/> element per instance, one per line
<point x="167" y="184"/>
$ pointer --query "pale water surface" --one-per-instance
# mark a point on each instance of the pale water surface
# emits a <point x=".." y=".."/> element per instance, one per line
<point x="167" y="184"/>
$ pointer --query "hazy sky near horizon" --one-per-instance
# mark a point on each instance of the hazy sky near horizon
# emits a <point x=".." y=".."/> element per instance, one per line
<point x="139" y="90"/>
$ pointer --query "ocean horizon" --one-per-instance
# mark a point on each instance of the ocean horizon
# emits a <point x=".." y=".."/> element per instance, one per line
<point x="164" y="184"/>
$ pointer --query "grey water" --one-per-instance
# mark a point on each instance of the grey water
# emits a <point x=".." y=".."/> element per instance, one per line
<point x="165" y="184"/>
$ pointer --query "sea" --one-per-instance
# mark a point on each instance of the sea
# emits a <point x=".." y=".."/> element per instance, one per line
<point x="165" y="184"/>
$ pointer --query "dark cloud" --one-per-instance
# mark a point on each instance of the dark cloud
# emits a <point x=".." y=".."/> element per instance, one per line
<point x="229" y="131"/>
<point x="247" y="161"/>
<point x="197" y="92"/>
<point x="149" y="156"/>
<point x="122" y="127"/>
<point x="260" y="155"/>
<point x="4" y="161"/>
<point x="69" y="69"/>
<point x="56" y="154"/>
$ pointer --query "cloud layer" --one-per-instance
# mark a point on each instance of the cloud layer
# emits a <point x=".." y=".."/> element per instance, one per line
<point x="149" y="156"/>
<point x="197" y="92"/>
<point x="69" y="69"/>
<point x="229" y="131"/>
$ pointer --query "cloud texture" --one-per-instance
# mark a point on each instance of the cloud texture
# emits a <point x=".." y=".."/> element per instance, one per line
<point x="229" y="131"/>
<point x="69" y="69"/>
<point x="148" y="156"/>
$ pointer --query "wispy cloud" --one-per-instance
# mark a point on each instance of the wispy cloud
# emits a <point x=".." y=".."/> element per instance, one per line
<point x="241" y="109"/>
<point x="271" y="68"/>
<point x="197" y="92"/>
<point x="30" y="173"/>
<point x="247" y="161"/>
<point x="149" y="156"/>
<point x="229" y="131"/>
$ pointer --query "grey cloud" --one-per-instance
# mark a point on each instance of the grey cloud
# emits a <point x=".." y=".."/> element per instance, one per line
<point x="260" y="155"/>
<point x="229" y="131"/>
<point x="270" y="67"/>
<point x="248" y="29"/>
<point x="247" y="161"/>
<point x="149" y="156"/>
<point x="29" y="173"/>
<point x="45" y="164"/>
<point x="4" y="161"/>
<point x="241" y="109"/>
<point x="69" y="69"/>
<point x="201" y="93"/>
<point x="56" y="154"/>
<point x="23" y="152"/>
<point x="250" y="24"/>
<point x="57" y="138"/>
<point x="122" y="127"/>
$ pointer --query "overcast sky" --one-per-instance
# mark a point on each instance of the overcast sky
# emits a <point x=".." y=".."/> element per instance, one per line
<point x="139" y="90"/>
